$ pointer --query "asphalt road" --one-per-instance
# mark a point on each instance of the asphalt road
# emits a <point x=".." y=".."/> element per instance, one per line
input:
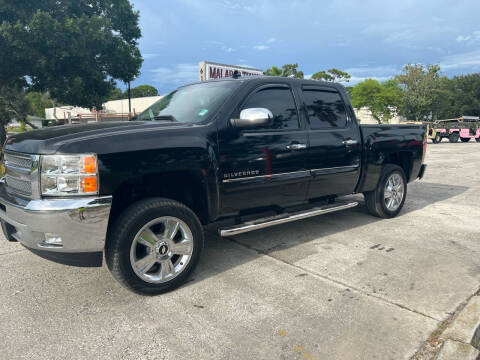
<point x="340" y="286"/>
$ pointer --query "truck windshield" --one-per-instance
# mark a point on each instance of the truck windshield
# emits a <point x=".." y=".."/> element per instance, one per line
<point x="191" y="104"/>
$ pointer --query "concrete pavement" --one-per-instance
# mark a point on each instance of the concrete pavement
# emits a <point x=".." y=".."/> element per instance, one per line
<point x="339" y="286"/>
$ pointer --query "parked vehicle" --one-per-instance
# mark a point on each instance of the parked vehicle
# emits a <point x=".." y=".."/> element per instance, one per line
<point x="268" y="148"/>
<point x="463" y="128"/>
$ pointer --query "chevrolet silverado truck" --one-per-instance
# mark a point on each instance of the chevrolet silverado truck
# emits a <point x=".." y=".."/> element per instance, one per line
<point x="255" y="152"/>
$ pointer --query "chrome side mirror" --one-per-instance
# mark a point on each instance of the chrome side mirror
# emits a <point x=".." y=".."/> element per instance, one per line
<point x="252" y="118"/>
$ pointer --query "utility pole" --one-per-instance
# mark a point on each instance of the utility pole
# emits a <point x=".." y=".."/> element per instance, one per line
<point x="129" y="102"/>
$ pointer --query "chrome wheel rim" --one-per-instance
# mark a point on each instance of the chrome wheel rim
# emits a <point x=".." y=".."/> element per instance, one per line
<point x="161" y="250"/>
<point x="393" y="193"/>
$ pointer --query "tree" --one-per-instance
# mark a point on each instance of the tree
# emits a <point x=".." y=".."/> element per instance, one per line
<point x="115" y="94"/>
<point x="143" y="90"/>
<point x="323" y="75"/>
<point x="13" y="105"/>
<point x="333" y="75"/>
<point x="38" y="103"/>
<point x="381" y="99"/>
<point x="287" y="70"/>
<point x="274" y="71"/>
<point x="290" y="70"/>
<point x="75" y="50"/>
<point x="463" y="95"/>
<point x="421" y="85"/>
<point x="136" y="92"/>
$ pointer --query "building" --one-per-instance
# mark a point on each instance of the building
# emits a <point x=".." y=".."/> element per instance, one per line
<point x="364" y="116"/>
<point x="113" y="110"/>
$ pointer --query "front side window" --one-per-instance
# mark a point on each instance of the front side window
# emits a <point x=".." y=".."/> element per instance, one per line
<point x="325" y="109"/>
<point x="279" y="100"/>
<point x="191" y="104"/>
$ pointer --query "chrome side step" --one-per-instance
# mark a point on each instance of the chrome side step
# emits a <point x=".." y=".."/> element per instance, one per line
<point x="284" y="218"/>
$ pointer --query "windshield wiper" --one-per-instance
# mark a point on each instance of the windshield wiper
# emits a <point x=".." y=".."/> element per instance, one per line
<point x="165" y="117"/>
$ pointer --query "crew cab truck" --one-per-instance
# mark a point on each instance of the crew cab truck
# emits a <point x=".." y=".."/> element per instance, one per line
<point x="139" y="192"/>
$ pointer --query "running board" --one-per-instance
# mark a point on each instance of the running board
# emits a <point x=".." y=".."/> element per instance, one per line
<point x="284" y="218"/>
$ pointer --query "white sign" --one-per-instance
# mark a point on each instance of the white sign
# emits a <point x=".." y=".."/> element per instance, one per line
<point x="210" y="70"/>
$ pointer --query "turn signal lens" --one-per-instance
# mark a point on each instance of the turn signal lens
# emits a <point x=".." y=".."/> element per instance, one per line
<point x="89" y="184"/>
<point x="90" y="165"/>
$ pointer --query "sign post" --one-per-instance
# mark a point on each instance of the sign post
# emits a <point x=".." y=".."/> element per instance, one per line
<point x="210" y="70"/>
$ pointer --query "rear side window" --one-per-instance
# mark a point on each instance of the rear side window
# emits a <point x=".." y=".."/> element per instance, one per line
<point x="279" y="100"/>
<point x="325" y="109"/>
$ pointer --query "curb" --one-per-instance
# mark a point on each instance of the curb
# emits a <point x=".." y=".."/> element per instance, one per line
<point x="461" y="338"/>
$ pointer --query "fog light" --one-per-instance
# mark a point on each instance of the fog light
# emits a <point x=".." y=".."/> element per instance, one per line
<point x="53" y="240"/>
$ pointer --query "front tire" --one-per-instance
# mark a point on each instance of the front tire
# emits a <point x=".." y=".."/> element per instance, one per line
<point x="477" y="139"/>
<point x="437" y="139"/>
<point x="154" y="246"/>
<point x="387" y="200"/>
<point x="465" y="140"/>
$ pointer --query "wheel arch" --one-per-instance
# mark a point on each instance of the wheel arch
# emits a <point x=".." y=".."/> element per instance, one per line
<point x="188" y="187"/>
<point x="404" y="159"/>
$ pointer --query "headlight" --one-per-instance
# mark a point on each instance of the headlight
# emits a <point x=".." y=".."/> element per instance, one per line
<point x="69" y="175"/>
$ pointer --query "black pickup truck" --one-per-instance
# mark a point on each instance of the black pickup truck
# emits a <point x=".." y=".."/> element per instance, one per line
<point x="139" y="192"/>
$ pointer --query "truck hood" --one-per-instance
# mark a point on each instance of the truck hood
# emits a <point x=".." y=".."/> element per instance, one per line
<point x="48" y="140"/>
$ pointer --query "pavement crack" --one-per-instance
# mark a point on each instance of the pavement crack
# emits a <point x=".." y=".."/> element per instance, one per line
<point x="328" y="278"/>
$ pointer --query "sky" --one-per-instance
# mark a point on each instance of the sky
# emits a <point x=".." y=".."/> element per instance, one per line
<point x="366" y="38"/>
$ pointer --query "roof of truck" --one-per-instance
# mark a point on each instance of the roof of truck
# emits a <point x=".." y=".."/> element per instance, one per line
<point x="275" y="79"/>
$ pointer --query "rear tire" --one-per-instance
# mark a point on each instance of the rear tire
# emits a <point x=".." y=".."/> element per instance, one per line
<point x="477" y="139"/>
<point x="387" y="200"/>
<point x="154" y="246"/>
<point x="453" y="137"/>
<point x="465" y="140"/>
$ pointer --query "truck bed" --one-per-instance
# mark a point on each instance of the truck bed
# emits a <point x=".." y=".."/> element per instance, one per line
<point x="380" y="141"/>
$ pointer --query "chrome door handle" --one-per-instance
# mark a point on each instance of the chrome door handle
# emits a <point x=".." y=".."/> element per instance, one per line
<point x="349" y="142"/>
<point x="296" y="146"/>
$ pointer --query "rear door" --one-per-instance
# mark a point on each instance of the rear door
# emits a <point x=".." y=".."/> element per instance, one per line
<point x="265" y="166"/>
<point x="334" y="153"/>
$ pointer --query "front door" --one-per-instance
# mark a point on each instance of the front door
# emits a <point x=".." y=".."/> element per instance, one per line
<point x="335" y="142"/>
<point x="266" y="166"/>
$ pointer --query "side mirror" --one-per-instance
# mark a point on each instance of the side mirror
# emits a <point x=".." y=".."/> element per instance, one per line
<point x="252" y="118"/>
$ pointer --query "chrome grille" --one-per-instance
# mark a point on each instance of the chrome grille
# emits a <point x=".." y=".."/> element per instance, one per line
<point x="18" y="161"/>
<point x="20" y="173"/>
<point x="23" y="187"/>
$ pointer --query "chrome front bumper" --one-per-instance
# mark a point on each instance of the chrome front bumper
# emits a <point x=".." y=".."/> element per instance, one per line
<point x="81" y="223"/>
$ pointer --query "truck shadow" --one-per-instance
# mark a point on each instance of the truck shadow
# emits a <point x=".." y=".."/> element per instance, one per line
<point x="223" y="254"/>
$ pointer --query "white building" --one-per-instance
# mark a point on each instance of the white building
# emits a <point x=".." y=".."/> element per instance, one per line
<point x="113" y="107"/>
<point x="364" y="116"/>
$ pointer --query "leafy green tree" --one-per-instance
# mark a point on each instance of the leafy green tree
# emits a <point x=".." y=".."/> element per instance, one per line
<point x="464" y="95"/>
<point x="333" y="75"/>
<point x="75" y="50"/>
<point x="287" y="70"/>
<point x="38" y="103"/>
<point x="116" y="94"/>
<point x="136" y="92"/>
<point x="13" y="105"/>
<point x="381" y="99"/>
<point x="323" y="75"/>
<point x="143" y="90"/>
<point x="444" y="106"/>
<point x="290" y="70"/>
<point x="274" y="71"/>
<point x="421" y="86"/>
